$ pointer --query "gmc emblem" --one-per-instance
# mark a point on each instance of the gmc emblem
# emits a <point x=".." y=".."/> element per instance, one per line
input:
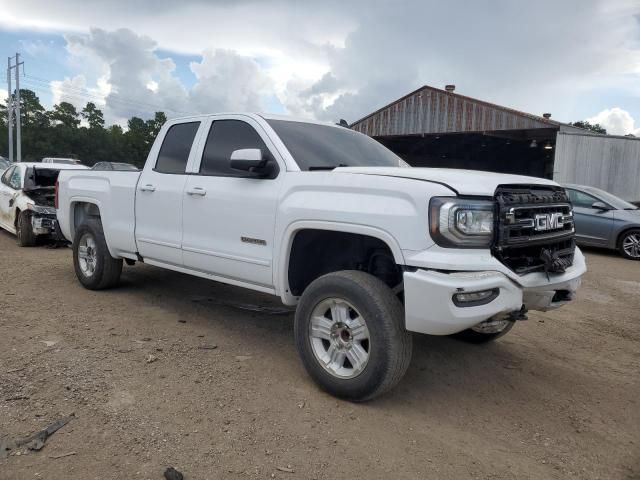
<point x="548" y="221"/>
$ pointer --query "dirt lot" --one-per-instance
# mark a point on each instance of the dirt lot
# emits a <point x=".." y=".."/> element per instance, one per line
<point x="557" y="398"/>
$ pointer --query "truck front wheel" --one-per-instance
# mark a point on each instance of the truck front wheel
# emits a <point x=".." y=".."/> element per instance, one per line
<point x="95" y="267"/>
<point x="349" y="331"/>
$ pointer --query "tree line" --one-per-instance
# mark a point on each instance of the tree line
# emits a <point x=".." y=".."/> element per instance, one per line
<point x="64" y="131"/>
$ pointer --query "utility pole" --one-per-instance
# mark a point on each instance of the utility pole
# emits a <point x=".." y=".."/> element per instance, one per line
<point x="18" y="117"/>
<point x="10" y="110"/>
<point x="14" y="104"/>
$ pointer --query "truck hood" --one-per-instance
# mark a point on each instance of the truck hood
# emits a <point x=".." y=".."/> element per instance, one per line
<point x="463" y="182"/>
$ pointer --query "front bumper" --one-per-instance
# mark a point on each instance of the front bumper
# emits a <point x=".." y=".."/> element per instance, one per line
<point x="428" y="295"/>
<point x="47" y="226"/>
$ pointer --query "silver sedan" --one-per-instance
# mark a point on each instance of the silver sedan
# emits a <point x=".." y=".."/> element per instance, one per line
<point x="604" y="220"/>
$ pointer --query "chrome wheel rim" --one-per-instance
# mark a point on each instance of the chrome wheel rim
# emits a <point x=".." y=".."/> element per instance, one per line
<point x="339" y="338"/>
<point x="87" y="255"/>
<point x="491" y="326"/>
<point x="631" y="245"/>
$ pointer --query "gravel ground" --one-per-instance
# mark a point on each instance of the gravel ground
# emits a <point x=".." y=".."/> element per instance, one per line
<point x="171" y="370"/>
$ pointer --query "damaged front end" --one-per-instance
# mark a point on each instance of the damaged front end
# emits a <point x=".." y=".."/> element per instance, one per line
<point x="43" y="220"/>
<point x="40" y="189"/>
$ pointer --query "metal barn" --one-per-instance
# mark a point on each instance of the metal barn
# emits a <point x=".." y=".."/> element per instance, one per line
<point x="431" y="127"/>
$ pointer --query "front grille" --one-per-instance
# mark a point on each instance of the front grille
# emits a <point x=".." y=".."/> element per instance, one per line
<point x="534" y="228"/>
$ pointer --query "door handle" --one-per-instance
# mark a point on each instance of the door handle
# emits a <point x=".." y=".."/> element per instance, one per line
<point x="148" y="188"/>
<point x="197" y="191"/>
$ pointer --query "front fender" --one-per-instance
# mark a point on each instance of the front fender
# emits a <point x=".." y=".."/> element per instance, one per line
<point x="281" y="280"/>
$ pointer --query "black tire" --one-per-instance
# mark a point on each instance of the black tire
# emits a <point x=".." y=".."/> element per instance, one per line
<point x="472" y="336"/>
<point x="635" y="232"/>
<point x="24" y="230"/>
<point x="107" y="270"/>
<point x="390" y="344"/>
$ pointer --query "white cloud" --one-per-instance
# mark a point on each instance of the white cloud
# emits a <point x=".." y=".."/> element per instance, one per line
<point x="74" y="90"/>
<point x="136" y="81"/>
<point x="3" y="94"/>
<point x="617" y="121"/>
<point x="337" y="59"/>
<point x="227" y="81"/>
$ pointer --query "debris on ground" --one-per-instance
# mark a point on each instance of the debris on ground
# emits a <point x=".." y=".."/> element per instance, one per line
<point x="242" y="358"/>
<point x="286" y="469"/>
<point x="151" y="358"/>
<point x="37" y="440"/>
<point x="16" y="370"/>
<point x="208" y="347"/>
<point x="55" y="457"/>
<point x="17" y="397"/>
<point x="173" y="474"/>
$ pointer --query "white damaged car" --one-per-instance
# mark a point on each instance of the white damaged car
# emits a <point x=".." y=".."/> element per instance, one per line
<point x="27" y="192"/>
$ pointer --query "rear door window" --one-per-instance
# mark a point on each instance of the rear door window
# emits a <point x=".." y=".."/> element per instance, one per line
<point x="174" y="152"/>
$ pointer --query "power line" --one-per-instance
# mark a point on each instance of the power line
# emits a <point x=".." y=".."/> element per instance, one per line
<point x="68" y="89"/>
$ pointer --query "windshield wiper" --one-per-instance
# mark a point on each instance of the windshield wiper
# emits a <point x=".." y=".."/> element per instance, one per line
<point x="327" y="167"/>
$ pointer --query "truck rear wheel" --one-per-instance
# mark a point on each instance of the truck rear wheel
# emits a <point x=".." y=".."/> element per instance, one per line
<point x="486" y="331"/>
<point x="349" y="331"/>
<point x="24" y="230"/>
<point x="95" y="267"/>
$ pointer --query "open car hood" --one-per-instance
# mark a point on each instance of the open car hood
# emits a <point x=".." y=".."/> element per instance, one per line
<point x="462" y="182"/>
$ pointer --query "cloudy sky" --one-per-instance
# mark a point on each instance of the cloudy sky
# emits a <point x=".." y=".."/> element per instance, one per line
<point x="579" y="59"/>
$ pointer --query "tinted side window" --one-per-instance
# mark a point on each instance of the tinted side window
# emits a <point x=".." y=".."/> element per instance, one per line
<point x="224" y="137"/>
<point x="581" y="199"/>
<point x="175" y="148"/>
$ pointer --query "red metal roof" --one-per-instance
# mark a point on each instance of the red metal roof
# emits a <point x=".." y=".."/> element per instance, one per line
<point x="429" y="110"/>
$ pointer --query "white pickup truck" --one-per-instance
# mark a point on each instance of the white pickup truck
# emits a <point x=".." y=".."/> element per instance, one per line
<point x="328" y="219"/>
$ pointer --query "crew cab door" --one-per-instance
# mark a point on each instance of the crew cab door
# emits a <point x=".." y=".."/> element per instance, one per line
<point x="593" y="226"/>
<point x="229" y="218"/>
<point x="159" y="194"/>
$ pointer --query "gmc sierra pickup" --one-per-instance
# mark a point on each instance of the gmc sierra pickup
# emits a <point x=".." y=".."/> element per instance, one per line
<point x="368" y="248"/>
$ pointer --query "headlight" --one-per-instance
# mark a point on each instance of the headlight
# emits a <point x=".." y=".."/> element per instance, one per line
<point x="459" y="222"/>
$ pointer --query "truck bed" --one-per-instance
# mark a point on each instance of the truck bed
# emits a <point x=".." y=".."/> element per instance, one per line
<point x="113" y="192"/>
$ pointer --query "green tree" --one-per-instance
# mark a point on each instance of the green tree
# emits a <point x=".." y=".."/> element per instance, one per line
<point x="93" y="115"/>
<point x="57" y="132"/>
<point x="155" y="124"/>
<point x="594" y="127"/>
<point x="65" y="114"/>
<point x="32" y="113"/>
<point x="136" y="140"/>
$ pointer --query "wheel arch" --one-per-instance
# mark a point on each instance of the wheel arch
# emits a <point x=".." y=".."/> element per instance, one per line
<point x="289" y="297"/>
<point x="79" y="211"/>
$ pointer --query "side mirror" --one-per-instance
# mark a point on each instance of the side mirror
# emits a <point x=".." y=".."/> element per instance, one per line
<point x="600" y="206"/>
<point x="252" y="161"/>
<point x="249" y="160"/>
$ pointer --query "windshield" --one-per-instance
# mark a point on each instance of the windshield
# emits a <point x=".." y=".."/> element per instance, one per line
<point x="611" y="199"/>
<point x="322" y="147"/>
